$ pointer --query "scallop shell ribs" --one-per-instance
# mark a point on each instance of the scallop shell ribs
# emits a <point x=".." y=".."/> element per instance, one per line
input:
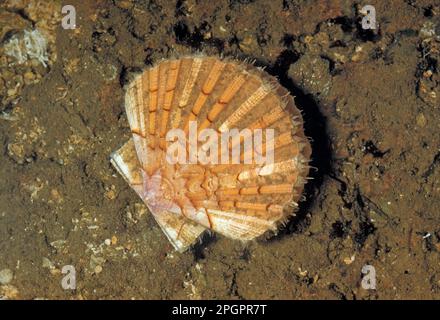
<point x="216" y="144"/>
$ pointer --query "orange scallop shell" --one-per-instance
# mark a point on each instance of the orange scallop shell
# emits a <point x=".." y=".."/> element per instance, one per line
<point x="239" y="200"/>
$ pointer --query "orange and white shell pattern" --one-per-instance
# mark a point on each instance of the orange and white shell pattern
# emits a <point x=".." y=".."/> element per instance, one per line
<point x="238" y="200"/>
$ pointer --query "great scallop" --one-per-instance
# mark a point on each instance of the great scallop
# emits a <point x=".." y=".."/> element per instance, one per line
<point x="238" y="200"/>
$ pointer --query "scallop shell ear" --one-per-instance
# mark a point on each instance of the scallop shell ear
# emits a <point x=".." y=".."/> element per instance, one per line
<point x="240" y="201"/>
<point x="181" y="232"/>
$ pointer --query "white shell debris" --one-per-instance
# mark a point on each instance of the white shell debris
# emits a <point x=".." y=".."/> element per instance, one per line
<point x="31" y="45"/>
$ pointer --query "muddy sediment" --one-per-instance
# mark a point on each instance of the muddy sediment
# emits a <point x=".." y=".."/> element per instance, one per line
<point x="370" y="100"/>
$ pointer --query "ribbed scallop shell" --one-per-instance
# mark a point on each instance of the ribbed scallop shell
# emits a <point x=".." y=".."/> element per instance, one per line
<point x="241" y="201"/>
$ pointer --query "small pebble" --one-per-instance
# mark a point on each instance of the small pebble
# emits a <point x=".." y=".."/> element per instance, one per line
<point x="110" y="194"/>
<point x="6" y="276"/>
<point x="98" y="269"/>
<point x="47" y="263"/>
<point x="11" y="92"/>
<point x="349" y="260"/>
<point x="421" y="120"/>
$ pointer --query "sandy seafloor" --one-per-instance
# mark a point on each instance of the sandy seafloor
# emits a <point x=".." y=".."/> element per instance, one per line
<point x="370" y="100"/>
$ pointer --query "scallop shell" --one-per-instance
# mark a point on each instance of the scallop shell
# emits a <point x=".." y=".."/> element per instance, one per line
<point x="204" y="186"/>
